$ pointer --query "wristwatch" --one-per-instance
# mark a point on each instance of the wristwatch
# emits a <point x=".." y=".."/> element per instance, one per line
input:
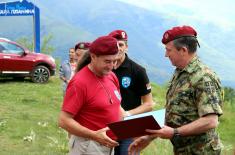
<point x="176" y="139"/>
<point x="176" y="132"/>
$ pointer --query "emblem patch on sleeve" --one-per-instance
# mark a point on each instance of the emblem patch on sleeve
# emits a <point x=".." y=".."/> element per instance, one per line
<point x="126" y="81"/>
<point x="210" y="87"/>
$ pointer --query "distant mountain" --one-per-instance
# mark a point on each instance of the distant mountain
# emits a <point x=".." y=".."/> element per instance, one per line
<point x="82" y="20"/>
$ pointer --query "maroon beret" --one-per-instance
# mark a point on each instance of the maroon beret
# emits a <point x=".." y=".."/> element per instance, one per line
<point x="82" y="45"/>
<point x="178" y="32"/>
<point x="119" y="34"/>
<point x="105" y="45"/>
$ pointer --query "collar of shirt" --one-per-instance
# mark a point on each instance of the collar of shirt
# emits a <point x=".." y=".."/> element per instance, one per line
<point x="125" y="63"/>
<point x="191" y="67"/>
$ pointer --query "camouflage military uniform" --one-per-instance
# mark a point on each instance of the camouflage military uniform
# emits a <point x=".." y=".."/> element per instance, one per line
<point x="194" y="92"/>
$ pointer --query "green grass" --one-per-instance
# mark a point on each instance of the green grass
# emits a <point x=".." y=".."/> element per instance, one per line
<point x="227" y="128"/>
<point x="31" y="110"/>
<point x="29" y="113"/>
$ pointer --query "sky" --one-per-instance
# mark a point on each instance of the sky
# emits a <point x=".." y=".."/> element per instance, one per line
<point x="218" y="12"/>
<point x="211" y="18"/>
<point x="214" y="20"/>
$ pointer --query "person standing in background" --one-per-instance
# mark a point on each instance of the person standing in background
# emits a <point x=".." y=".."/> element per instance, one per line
<point x="67" y="69"/>
<point x="134" y="84"/>
<point x="80" y="49"/>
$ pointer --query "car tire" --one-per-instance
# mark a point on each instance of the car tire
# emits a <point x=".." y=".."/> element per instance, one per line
<point x="40" y="74"/>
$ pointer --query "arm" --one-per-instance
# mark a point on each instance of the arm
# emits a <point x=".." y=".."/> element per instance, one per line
<point x="67" y="122"/>
<point x="147" y="105"/>
<point x="143" y="87"/>
<point x="199" y="126"/>
<point x="62" y="74"/>
<point x="196" y="127"/>
<point x="123" y="113"/>
<point x="139" y="144"/>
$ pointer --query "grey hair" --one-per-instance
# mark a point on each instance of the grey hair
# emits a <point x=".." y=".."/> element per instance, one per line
<point x="190" y="42"/>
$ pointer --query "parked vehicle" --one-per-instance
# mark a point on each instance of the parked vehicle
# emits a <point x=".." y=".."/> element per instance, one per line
<point x="18" y="61"/>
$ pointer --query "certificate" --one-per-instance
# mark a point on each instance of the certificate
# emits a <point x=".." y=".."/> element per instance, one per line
<point x="135" y="126"/>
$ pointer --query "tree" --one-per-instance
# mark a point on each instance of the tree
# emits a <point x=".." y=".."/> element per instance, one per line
<point x="25" y="42"/>
<point x="46" y="48"/>
<point x="229" y="94"/>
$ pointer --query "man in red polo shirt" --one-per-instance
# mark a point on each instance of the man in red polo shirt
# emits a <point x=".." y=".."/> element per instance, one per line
<point x="92" y="101"/>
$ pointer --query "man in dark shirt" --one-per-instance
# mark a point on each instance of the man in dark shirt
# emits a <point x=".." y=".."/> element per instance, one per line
<point x="134" y="85"/>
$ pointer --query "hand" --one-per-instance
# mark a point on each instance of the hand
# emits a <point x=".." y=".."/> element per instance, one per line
<point x="127" y="114"/>
<point x="139" y="144"/>
<point x="166" y="132"/>
<point x="103" y="139"/>
<point x="123" y="113"/>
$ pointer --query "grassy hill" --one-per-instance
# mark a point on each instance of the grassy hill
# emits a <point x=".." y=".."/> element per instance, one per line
<point x="29" y="113"/>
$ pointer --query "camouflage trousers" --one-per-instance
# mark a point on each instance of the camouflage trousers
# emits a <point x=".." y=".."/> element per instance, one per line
<point x="199" y="149"/>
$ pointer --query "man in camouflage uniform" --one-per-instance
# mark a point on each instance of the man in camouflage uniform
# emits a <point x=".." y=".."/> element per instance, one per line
<point x="193" y="99"/>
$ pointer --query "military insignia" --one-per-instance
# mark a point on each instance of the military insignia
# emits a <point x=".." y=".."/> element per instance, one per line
<point x="117" y="95"/>
<point x="222" y="94"/>
<point x="210" y="87"/>
<point x="126" y="81"/>
<point x="214" y="99"/>
<point x="123" y="35"/>
<point x="81" y="46"/>
<point x="166" y="36"/>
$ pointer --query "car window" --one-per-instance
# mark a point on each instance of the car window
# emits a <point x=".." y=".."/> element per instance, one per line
<point x="1" y="48"/>
<point x="9" y="48"/>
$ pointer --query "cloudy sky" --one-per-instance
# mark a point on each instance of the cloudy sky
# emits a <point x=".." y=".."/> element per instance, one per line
<point x="213" y="19"/>
<point x="218" y="12"/>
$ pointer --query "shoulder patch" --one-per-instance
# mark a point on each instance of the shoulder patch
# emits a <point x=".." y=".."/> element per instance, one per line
<point x="126" y="81"/>
<point x="210" y="87"/>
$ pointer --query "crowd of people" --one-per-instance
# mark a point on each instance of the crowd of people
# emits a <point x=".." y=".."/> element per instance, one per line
<point x="102" y="84"/>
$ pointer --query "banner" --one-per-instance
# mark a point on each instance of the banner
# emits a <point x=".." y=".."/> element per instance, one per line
<point x="24" y="8"/>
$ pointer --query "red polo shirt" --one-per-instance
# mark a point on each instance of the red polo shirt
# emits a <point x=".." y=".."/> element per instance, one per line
<point x="93" y="101"/>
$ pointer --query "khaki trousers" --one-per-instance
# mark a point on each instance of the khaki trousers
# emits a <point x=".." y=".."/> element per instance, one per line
<point x="84" y="146"/>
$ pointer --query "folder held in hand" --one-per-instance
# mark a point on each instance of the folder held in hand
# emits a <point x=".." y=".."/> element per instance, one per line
<point x="135" y="126"/>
